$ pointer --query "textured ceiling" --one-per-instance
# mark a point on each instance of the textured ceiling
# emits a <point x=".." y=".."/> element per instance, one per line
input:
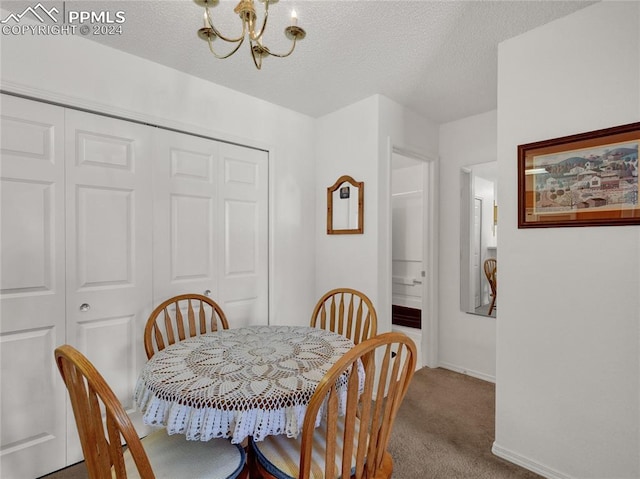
<point x="438" y="58"/>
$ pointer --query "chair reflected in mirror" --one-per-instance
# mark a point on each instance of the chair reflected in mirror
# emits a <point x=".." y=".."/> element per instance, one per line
<point x="491" y="272"/>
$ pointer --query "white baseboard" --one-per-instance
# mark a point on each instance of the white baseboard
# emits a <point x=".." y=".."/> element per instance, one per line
<point x="527" y="463"/>
<point x="468" y="372"/>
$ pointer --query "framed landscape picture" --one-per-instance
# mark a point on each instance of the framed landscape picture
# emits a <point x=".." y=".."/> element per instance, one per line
<point x="589" y="179"/>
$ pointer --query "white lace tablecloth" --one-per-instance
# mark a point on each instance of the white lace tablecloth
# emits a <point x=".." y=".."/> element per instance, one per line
<point x="253" y="381"/>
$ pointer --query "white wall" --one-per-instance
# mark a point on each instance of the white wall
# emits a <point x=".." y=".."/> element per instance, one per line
<point x="347" y="145"/>
<point x="75" y="71"/>
<point x="357" y="140"/>
<point x="467" y="342"/>
<point x="567" y="390"/>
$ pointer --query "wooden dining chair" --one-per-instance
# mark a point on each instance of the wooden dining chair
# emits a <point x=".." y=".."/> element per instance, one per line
<point x="350" y="445"/>
<point x="348" y="312"/>
<point x="491" y="272"/>
<point x="169" y="323"/>
<point x="103" y="426"/>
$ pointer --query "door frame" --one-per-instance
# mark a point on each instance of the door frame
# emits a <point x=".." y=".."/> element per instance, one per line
<point x="430" y="248"/>
<point x="476" y="242"/>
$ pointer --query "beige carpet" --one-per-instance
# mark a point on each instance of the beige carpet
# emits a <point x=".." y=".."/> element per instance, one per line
<point x="444" y="430"/>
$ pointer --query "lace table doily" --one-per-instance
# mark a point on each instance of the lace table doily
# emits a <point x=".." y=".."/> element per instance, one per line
<point x="252" y="381"/>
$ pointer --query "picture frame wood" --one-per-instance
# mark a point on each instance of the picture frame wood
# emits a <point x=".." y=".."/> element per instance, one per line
<point x="587" y="179"/>
<point x="345" y="207"/>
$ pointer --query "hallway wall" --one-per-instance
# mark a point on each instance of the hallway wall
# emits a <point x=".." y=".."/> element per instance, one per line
<point x="568" y="349"/>
<point x="467" y="342"/>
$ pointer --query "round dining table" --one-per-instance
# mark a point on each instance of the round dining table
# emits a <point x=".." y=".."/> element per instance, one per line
<point x="250" y="381"/>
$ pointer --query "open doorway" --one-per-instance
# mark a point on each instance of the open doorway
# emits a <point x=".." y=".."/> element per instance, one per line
<point x="409" y="195"/>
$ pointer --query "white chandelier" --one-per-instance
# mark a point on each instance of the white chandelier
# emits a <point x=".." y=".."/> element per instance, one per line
<point x="247" y="12"/>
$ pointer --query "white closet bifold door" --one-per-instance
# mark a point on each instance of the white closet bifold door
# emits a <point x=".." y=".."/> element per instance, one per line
<point x="109" y="238"/>
<point x="32" y="300"/>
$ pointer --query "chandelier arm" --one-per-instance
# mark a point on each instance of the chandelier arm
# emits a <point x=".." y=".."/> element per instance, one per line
<point x="222" y="57"/>
<point x="284" y="55"/>
<point x="220" y="35"/>
<point x="257" y="36"/>
<point x="256" y="60"/>
<point x="247" y="13"/>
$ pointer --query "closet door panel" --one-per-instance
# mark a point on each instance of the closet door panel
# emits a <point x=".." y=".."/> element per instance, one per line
<point x="211" y="224"/>
<point x="109" y="222"/>
<point x="244" y="212"/>
<point x="93" y="210"/>
<point x="185" y="215"/>
<point x="32" y="300"/>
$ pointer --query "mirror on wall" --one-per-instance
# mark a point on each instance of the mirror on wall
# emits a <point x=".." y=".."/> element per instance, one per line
<point x="478" y="236"/>
<point x="345" y="206"/>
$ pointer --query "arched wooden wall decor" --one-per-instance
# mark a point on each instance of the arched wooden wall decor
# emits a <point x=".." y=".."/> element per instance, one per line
<point x="345" y="207"/>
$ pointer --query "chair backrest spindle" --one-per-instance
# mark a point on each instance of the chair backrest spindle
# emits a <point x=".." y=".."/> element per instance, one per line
<point x="350" y="313"/>
<point x="91" y="397"/>
<point x="104" y="426"/>
<point x="160" y="334"/>
<point x="491" y="272"/>
<point x="360" y="438"/>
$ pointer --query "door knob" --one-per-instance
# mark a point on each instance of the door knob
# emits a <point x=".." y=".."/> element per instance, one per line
<point x="84" y="307"/>
<point x="207" y="292"/>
